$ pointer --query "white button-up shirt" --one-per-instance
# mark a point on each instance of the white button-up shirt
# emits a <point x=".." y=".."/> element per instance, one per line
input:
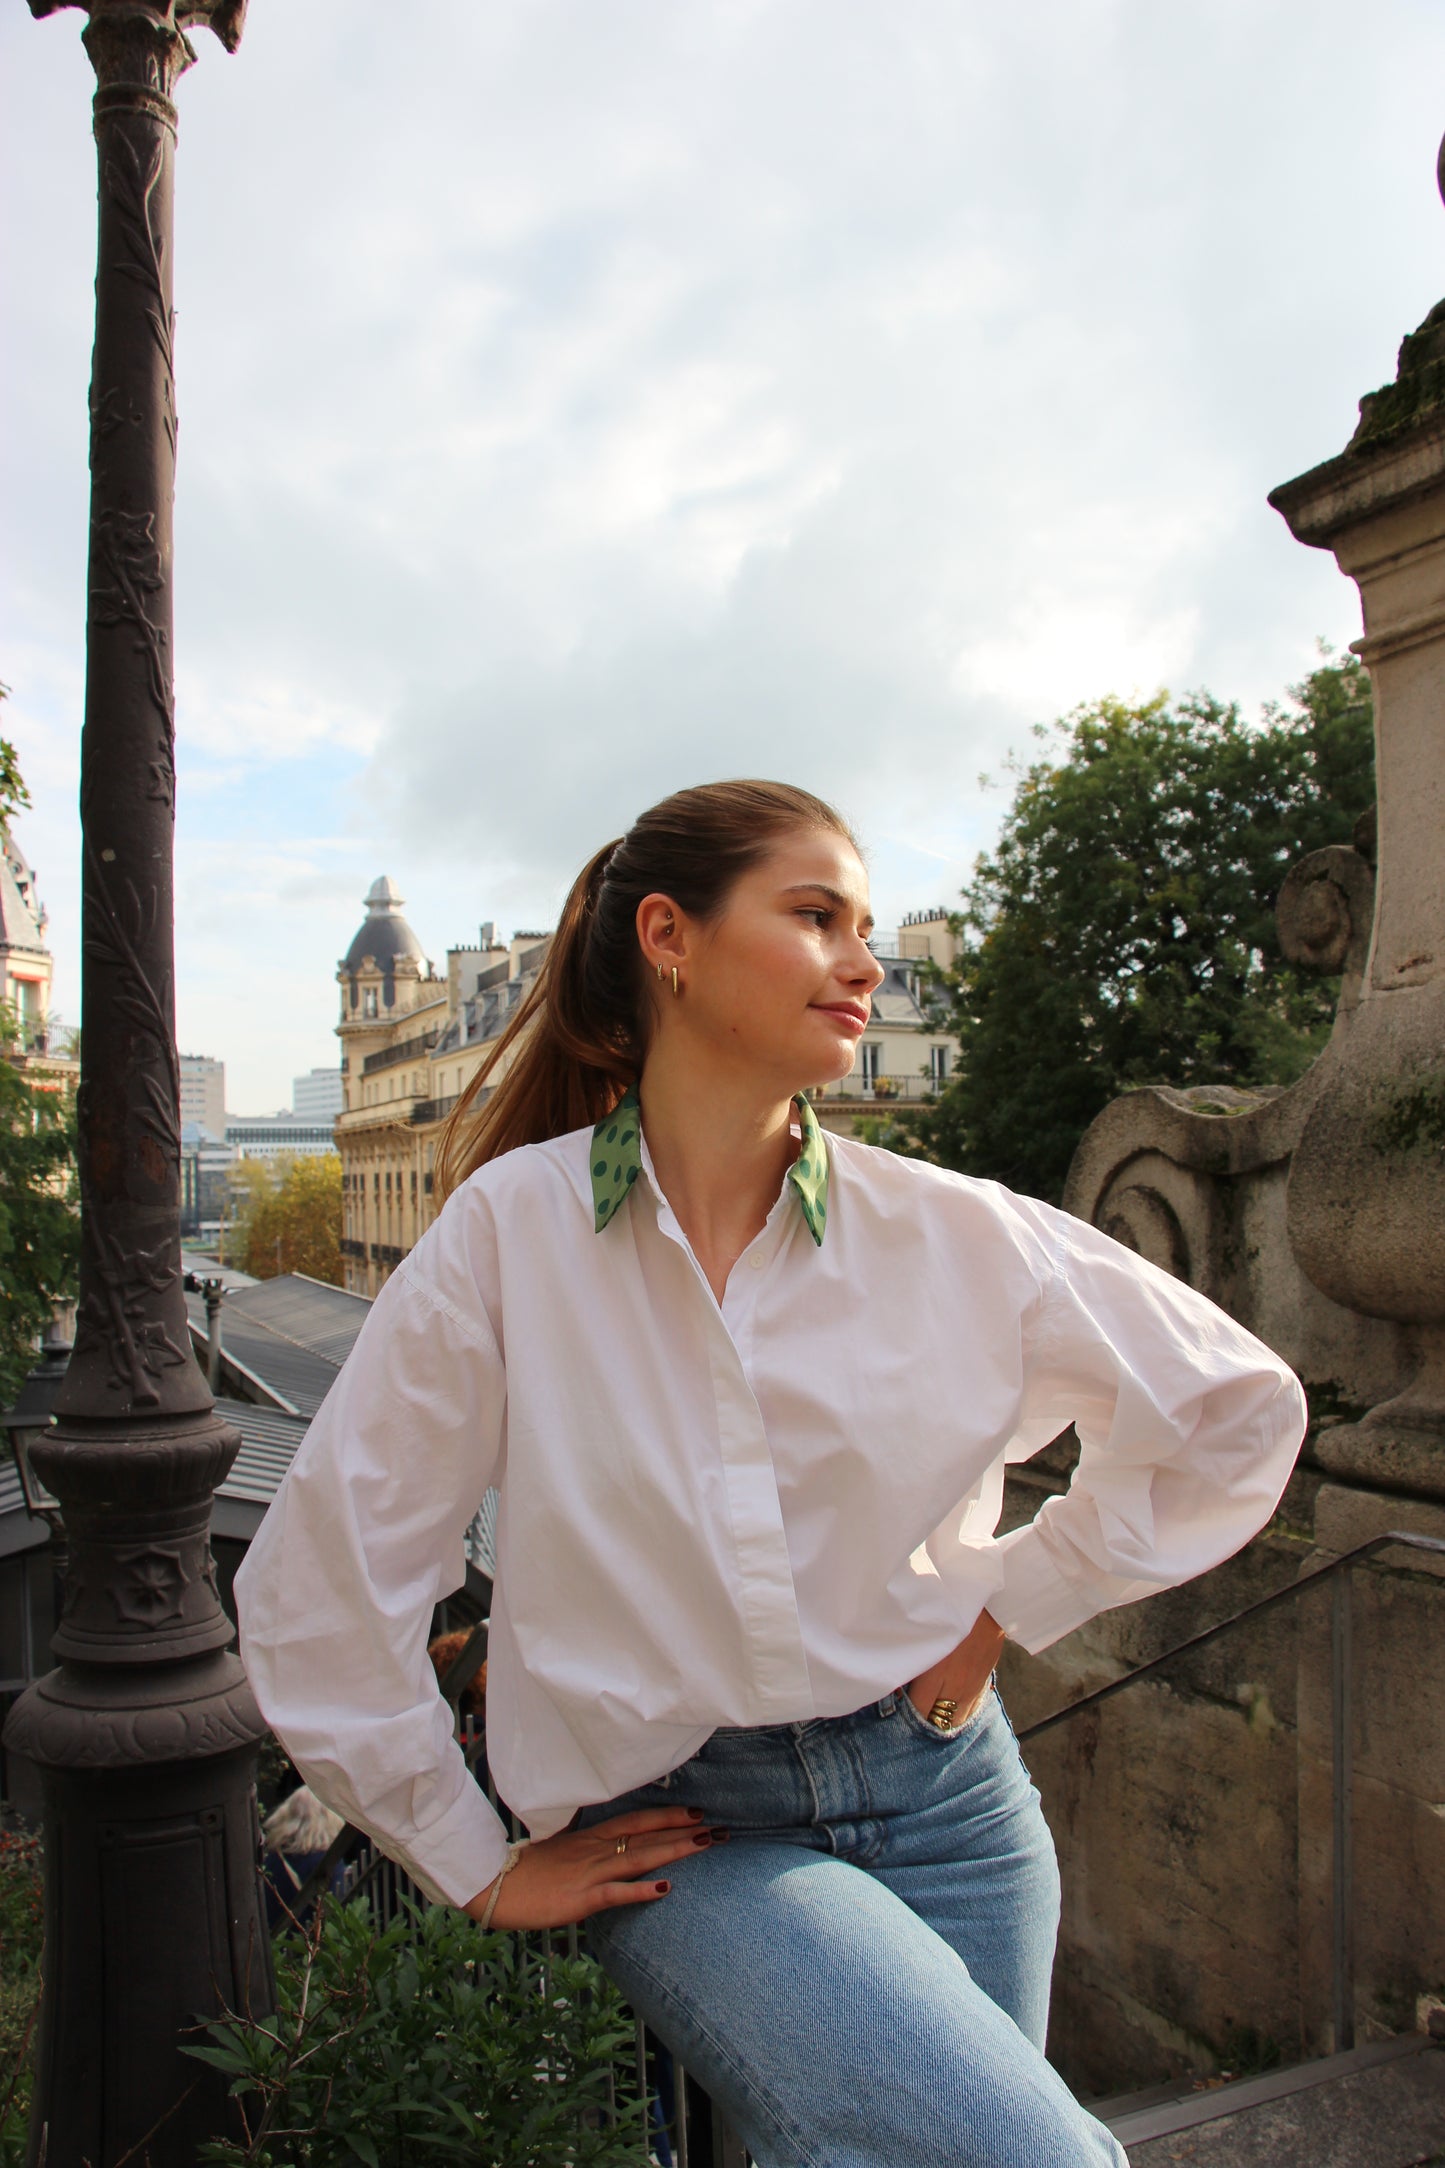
<point x="776" y="1507"/>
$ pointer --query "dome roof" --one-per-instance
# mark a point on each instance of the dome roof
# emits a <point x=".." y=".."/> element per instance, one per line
<point x="384" y="934"/>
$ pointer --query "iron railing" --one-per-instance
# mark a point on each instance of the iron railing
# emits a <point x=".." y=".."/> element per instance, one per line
<point x="695" y="2133"/>
<point x="686" y="2128"/>
<point x="1339" y="1573"/>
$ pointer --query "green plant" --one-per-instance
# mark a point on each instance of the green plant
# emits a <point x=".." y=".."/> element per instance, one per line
<point x="428" y="2040"/>
<point x="21" y="1912"/>
<point x="1122" y="930"/>
<point x="1247" y="2053"/>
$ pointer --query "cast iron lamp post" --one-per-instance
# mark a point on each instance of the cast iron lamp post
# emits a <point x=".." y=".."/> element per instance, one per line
<point x="146" y="1734"/>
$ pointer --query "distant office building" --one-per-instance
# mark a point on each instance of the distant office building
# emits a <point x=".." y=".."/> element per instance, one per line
<point x="203" y="1094"/>
<point x="316" y="1097"/>
<point x="206" y="1163"/>
<point x="278" y="1136"/>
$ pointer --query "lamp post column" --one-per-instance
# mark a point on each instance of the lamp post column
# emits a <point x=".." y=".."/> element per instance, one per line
<point x="146" y="1734"/>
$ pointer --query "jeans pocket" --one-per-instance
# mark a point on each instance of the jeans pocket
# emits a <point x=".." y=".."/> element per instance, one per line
<point x="920" y="1725"/>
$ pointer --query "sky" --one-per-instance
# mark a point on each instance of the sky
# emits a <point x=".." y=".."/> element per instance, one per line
<point x="584" y="398"/>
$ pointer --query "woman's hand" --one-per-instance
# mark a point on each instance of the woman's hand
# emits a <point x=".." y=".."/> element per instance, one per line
<point x="560" y="1881"/>
<point x="963" y="1675"/>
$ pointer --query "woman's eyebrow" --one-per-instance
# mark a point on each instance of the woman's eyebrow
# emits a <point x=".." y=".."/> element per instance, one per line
<point x="835" y="896"/>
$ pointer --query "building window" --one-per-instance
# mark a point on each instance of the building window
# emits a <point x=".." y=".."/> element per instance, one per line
<point x="938" y="1064"/>
<point x="868" y="1054"/>
<point x="368" y="1002"/>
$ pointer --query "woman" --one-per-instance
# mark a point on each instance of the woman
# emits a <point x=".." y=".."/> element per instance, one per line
<point x="748" y="1394"/>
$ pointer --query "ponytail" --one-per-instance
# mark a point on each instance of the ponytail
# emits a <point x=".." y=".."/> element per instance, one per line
<point x="579" y="1038"/>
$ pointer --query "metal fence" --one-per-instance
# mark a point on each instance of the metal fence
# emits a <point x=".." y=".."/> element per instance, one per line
<point x="686" y="2129"/>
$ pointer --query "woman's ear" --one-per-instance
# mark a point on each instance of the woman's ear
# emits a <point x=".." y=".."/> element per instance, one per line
<point x="661" y="933"/>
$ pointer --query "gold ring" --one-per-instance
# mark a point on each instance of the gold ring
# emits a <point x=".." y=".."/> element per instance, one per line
<point x="622" y="1844"/>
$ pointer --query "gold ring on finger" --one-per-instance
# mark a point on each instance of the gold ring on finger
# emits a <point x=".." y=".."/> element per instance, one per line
<point x="622" y="1844"/>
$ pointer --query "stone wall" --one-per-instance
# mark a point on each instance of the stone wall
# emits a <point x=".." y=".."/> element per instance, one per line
<point x="1193" y="1813"/>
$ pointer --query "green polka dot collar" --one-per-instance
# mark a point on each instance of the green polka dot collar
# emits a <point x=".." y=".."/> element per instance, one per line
<point x="616" y="1161"/>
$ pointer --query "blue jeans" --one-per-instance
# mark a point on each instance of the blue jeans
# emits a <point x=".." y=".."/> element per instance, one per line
<point x="860" y="1975"/>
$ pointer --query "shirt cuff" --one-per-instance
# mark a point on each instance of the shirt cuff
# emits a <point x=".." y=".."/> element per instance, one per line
<point x="460" y="1853"/>
<point x="1038" y="1603"/>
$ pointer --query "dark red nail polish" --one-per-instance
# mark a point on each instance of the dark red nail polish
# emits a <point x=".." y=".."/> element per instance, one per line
<point x="694" y="1814"/>
<point x="662" y="1888"/>
<point x="704" y="1836"/>
<point x="719" y="1836"/>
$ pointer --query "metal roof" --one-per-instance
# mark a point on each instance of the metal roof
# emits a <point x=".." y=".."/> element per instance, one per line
<point x="291" y="1334"/>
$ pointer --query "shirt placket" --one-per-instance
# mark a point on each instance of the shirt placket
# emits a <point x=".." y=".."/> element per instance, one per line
<point x="768" y="1605"/>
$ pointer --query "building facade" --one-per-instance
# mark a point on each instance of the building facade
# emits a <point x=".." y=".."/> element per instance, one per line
<point x="203" y="1094"/>
<point x="277" y="1136"/>
<point x="25" y="966"/>
<point x="316" y="1097"/>
<point x="413" y="1038"/>
<point x="903" y="1055"/>
<point x="26" y="1039"/>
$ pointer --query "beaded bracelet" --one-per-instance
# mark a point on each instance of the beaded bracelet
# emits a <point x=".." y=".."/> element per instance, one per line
<point x="514" y="1853"/>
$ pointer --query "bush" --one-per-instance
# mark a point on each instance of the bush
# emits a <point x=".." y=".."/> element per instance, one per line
<point x="21" y="1912"/>
<point x="427" y="2041"/>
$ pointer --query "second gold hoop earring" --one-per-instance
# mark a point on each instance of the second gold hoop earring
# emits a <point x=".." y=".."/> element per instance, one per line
<point x="676" y="989"/>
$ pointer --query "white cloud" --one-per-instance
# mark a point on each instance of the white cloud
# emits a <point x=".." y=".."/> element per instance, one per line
<point x="578" y="400"/>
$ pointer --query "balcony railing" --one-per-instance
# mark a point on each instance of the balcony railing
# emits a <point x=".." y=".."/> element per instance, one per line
<point x="882" y="1089"/>
<point x="433" y="1110"/>
<point x="392" y="1057"/>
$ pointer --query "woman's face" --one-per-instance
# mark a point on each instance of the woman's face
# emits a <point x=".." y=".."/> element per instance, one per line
<point x="782" y="981"/>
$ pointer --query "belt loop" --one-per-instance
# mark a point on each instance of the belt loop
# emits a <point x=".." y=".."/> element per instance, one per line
<point x="888" y="1704"/>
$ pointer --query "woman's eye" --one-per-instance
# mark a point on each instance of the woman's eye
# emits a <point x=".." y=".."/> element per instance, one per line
<point x="819" y="916"/>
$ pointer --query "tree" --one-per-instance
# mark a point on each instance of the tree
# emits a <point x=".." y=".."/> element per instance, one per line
<point x="1122" y="931"/>
<point x="14" y="797"/>
<point x="289" y="1217"/>
<point x="39" y="1220"/>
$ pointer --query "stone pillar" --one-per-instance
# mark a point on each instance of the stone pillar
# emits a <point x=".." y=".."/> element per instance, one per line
<point x="1366" y="1197"/>
<point x="146" y="1734"/>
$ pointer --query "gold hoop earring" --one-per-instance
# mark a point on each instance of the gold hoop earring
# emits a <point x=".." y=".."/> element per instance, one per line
<point x="659" y="970"/>
<point x="676" y="989"/>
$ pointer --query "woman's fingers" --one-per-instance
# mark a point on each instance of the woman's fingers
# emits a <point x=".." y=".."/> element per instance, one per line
<point x="650" y="1846"/>
<point x="613" y="1894"/>
<point x="631" y="1825"/>
<point x="561" y="1880"/>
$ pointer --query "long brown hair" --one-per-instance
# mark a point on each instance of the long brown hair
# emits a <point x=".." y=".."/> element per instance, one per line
<point x="579" y="1038"/>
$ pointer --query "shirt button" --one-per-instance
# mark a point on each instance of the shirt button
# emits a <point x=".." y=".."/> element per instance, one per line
<point x="757" y="1260"/>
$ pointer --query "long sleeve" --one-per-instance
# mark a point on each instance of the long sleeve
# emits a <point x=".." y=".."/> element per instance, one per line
<point x="363" y="1538"/>
<point x="1188" y="1429"/>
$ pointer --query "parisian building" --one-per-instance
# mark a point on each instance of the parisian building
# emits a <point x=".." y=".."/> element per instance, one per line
<point x="25" y="967"/>
<point x="412" y="1038"/>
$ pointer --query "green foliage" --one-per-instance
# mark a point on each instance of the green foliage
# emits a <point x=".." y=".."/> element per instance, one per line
<point x="1122" y="932"/>
<point x="429" y="2041"/>
<point x="39" y="1220"/>
<point x="14" y="797"/>
<point x="288" y="1218"/>
<point x="20" y="1933"/>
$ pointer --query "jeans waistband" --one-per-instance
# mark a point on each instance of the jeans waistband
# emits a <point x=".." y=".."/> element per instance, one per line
<point x="885" y="1707"/>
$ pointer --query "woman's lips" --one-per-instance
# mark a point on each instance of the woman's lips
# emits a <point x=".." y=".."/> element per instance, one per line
<point x="845" y="1013"/>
